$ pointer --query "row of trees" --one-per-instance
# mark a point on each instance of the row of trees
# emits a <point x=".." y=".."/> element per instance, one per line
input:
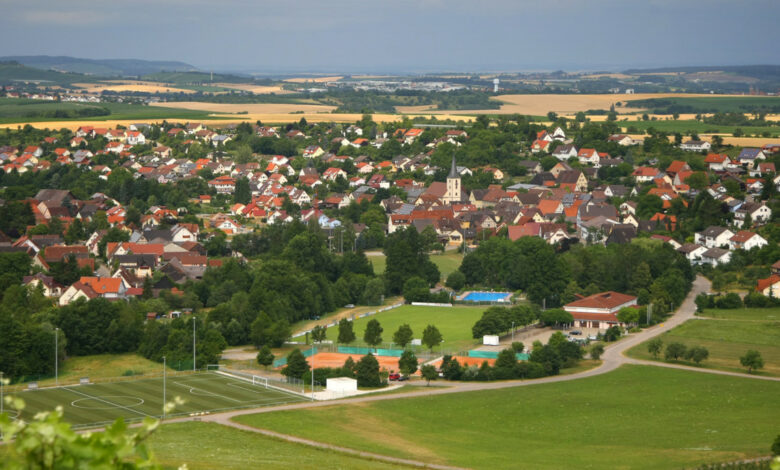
<point x="372" y="335"/>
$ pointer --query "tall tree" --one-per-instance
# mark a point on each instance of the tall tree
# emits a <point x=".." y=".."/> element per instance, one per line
<point x="346" y="331"/>
<point x="373" y="334"/>
<point x="403" y="335"/>
<point x="431" y="337"/>
<point x="242" y="194"/>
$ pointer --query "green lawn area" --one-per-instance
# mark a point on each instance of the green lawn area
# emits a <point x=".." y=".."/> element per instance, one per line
<point x="210" y="445"/>
<point x="707" y="104"/>
<point x="454" y="323"/>
<point x="447" y="263"/>
<point x="635" y="417"/>
<point x="743" y="313"/>
<point x="103" y="366"/>
<point x="727" y="341"/>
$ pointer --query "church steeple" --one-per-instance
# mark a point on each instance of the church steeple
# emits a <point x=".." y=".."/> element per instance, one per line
<point x="453" y="169"/>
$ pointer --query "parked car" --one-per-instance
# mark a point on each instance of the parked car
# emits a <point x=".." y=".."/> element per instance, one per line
<point x="394" y="376"/>
<point x="403" y="378"/>
<point x="575" y="332"/>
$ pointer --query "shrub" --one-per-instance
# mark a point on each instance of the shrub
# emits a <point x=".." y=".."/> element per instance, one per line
<point x="729" y="301"/>
<point x="675" y="351"/>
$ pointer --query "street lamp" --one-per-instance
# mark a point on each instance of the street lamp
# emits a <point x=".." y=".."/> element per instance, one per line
<point x="164" y="374"/>
<point x="56" y="357"/>
<point x="513" y="332"/>
<point x="193" y="343"/>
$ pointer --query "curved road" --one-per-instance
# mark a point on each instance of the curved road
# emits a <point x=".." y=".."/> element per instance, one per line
<point x="612" y="358"/>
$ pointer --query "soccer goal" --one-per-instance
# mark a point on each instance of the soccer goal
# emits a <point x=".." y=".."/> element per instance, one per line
<point x="261" y="381"/>
<point x="212" y="367"/>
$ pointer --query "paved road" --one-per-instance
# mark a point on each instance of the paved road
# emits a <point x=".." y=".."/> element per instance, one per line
<point x="612" y="358"/>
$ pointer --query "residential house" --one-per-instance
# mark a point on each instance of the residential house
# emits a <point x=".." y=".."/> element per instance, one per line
<point x="565" y="152"/>
<point x="713" y="237"/>
<point x="745" y="240"/>
<point x="770" y="286"/>
<point x="696" y="146"/>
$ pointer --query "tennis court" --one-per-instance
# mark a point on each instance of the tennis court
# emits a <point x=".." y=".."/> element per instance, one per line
<point x="101" y="403"/>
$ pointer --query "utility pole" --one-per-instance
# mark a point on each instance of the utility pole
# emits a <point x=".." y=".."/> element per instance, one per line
<point x="56" y="357"/>
<point x="193" y="343"/>
<point x="164" y="374"/>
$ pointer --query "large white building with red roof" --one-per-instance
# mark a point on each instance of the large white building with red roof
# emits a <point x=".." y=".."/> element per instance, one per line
<point x="599" y="310"/>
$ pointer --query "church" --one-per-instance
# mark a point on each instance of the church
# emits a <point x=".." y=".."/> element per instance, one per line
<point x="453" y="193"/>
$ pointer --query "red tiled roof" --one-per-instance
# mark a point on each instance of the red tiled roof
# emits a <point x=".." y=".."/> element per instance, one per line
<point x="609" y="300"/>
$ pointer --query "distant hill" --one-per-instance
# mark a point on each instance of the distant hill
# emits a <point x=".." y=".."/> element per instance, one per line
<point x="760" y="72"/>
<point x="100" y="67"/>
<point x="195" y="78"/>
<point x="13" y="72"/>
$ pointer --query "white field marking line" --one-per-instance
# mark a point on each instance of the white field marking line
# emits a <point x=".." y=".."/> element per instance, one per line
<point x="207" y="393"/>
<point x="108" y="402"/>
<point x="73" y="403"/>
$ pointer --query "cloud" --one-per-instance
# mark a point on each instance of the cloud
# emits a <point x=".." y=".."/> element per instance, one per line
<point x="65" y="18"/>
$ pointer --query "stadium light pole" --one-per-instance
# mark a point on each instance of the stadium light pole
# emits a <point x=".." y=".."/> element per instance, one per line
<point x="56" y="357"/>
<point x="193" y="342"/>
<point x="164" y="374"/>
<point x="513" y="331"/>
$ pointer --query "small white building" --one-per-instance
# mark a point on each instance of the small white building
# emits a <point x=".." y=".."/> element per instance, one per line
<point x="343" y="385"/>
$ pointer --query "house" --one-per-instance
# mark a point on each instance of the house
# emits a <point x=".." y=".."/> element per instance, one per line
<point x="313" y="151"/>
<point x="770" y="286"/>
<point x="532" y="167"/>
<point x="588" y="156"/>
<point x="47" y="283"/>
<point x="692" y="252"/>
<point x="717" y="161"/>
<point x="695" y="146"/>
<point x="565" y="152"/>
<point x="677" y="167"/>
<point x="540" y="145"/>
<point x="599" y="311"/>
<point x="644" y="174"/>
<point x="759" y="213"/>
<point x="622" y="139"/>
<point x="78" y="290"/>
<point x="745" y="240"/>
<point x="713" y="237"/>
<point x="106" y="287"/>
<point x="572" y="180"/>
<point x="223" y="184"/>
<point x="749" y="156"/>
<point x="715" y="256"/>
<point x="135" y="138"/>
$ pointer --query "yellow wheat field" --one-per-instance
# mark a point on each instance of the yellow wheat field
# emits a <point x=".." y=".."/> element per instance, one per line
<point x="256" y="89"/>
<point x="250" y="108"/>
<point x="130" y="86"/>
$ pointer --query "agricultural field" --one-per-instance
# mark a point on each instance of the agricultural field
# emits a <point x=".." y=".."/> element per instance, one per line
<point x="47" y="112"/>
<point x="687" y="126"/>
<point x="99" y="403"/>
<point x="248" y="108"/>
<point x="707" y="103"/>
<point x="313" y="79"/>
<point x="635" y="417"/>
<point x="233" y="449"/>
<point x="728" y="338"/>
<point x="454" y="323"/>
<point x="121" y="86"/>
<point x="540" y="105"/>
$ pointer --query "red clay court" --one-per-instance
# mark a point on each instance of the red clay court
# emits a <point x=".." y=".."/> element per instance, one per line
<point x="331" y="359"/>
<point x="467" y="361"/>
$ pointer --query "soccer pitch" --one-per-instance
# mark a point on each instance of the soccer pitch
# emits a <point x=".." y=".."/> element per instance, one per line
<point x="101" y="403"/>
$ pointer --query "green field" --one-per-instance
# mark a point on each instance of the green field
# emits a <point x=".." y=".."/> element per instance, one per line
<point x="727" y="341"/>
<point x="635" y="417"/>
<point x="208" y="445"/>
<point x="447" y="263"/>
<point x="18" y="110"/>
<point x="714" y="104"/>
<point x="685" y="126"/>
<point x="454" y="323"/>
<point x="92" y="404"/>
<point x="743" y="313"/>
<point x="102" y="366"/>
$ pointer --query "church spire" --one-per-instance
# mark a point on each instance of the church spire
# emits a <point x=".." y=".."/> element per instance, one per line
<point x="453" y="169"/>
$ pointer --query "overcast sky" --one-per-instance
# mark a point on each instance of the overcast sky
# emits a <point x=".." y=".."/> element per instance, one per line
<point x="399" y="35"/>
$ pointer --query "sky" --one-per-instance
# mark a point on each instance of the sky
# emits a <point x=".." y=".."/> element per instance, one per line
<point x="381" y="36"/>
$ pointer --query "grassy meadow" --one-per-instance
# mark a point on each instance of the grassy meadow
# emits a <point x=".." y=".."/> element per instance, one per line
<point x="635" y="417"/>
<point x="454" y="323"/>
<point x="447" y="262"/>
<point x="205" y="446"/>
<point x="684" y="126"/>
<point x="727" y="338"/>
